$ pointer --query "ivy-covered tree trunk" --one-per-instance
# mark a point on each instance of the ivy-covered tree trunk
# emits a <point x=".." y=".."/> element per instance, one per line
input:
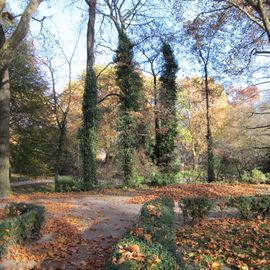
<point x="130" y="84"/>
<point x="89" y="107"/>
<point x="166" y="133"/>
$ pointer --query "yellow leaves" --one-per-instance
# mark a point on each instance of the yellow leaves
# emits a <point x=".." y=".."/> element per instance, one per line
<point x="153" y="210"/>
<point x="244" y="267"/>
<point x="148" y="238"/>
<point x="129" y="253"/>
<point x="153" y="262"/>
<point x="215" y="266"/>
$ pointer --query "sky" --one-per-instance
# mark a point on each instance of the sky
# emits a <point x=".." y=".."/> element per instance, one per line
<point x="66" y="24"/>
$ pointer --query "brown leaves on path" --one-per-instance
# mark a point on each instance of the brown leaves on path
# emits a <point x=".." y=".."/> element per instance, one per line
<point x="177" y="192"/>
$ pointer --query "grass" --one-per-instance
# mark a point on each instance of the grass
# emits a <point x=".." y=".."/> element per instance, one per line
<point x="234" y="243"/>
<point x="32" y="188"/>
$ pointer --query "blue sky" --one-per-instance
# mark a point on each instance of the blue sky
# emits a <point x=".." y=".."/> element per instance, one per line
<point x="65" y="22"/>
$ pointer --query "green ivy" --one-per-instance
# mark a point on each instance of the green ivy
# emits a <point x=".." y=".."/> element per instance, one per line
<point x="129" y="81"/>
<point x="165" y="141"/>
<point x="89" y="130"/>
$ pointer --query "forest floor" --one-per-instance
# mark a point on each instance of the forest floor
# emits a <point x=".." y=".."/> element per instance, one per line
<point x="81" y="228"/>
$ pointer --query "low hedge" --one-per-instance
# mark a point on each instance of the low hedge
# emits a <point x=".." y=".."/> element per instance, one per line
<point x="150" y="244"/>
<point x="67" y="184"/>
<point x="23" y="222"/>
<point x="195" y="208"/>
<point x="249" y="207"/>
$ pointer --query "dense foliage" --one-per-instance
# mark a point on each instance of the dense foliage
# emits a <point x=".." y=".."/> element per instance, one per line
<point x="23" y="222"/>
<point x="166" y="134"/>
<point x="130" y="84"/>
<point x="89" y="129"/>
<point x="151" y="241"/>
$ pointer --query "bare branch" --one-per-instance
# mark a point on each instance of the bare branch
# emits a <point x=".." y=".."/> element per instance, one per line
<point x="109" y="95"/>
<point x="104" y="69"/>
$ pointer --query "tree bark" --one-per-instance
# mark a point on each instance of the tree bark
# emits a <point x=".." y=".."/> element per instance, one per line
<point x="195" y="157"/>
<point x="7" y="48"/>
<point x="210" y="155"/>
<point x="4" y="132"/>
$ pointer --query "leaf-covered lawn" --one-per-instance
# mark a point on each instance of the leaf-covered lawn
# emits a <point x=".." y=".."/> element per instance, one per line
<point x="203" y="190"/>
<point x="67" y="227"/>
<point x="234" y="243"/>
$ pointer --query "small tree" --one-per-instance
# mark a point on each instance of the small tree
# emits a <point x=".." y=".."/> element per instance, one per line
<point x="130" y="84"/>
<point x="164" y="148"/>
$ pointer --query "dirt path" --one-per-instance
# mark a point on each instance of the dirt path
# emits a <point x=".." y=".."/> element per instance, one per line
<point x="78" y="234"/>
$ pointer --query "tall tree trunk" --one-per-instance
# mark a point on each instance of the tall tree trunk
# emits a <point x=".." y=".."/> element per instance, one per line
<point x="7" y="48"/>
<point x="210" y="154"/>
<point x="156" y="115"/>
<point x="89" y="106"/>
<point x="4" y="132"/>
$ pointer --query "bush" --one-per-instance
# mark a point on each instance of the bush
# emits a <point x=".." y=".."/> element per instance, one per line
<point x="262" y="205"/>
<point x="244" y="205"/>
<point x="195" y="208"/>
<point x="150" y="244"/>
<point x="255" y="177"/>
<point x="158" y="211"/>
<point x="67" y="184"/>
<point x="161" y="179"/>
<point x="24" y="222"/>
<point x="132" y="253"/>
<point x="252" y="206"/>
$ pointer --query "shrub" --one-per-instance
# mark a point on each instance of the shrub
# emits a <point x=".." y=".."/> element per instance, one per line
<point x="161" y="179"/>
<point x="255" y="177"/>
<point x="258" y="176"/>
<point x="24" y="222"/>
<point x="195" y="208"/>
<point x="67" y="184"/>
<point x="132" y="253"/>
<point x="246" y="177"/>
<point x="251" y="206"/>
<point x="261" y="205"/>
<point x="150" y="244"/>
<point x="158" y="211"/>
<point x="244" y="204"/>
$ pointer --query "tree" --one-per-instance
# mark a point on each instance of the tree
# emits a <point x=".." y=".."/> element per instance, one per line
<point x="31" y="122"/>
<point x="89" y="106"/>
<point x="256" y="11"/>
<point x="60" y="109"/>
<point x="7" y="48"/>
<point x="192" y="121"/>
<point x="165" y="142"/>
<point x="130" y="84"/>
<point x="125" y="15"/>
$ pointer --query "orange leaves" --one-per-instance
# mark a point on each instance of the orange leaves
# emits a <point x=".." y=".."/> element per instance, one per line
<point x="215" y="266"/>
<point x="129" y="253"/>
<point x="153" y="210"/>
<point x="230" y="242"/>
<point x="203" y="190"/>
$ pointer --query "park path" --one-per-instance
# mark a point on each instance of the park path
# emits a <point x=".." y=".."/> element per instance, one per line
<point x="100" y="220"/>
